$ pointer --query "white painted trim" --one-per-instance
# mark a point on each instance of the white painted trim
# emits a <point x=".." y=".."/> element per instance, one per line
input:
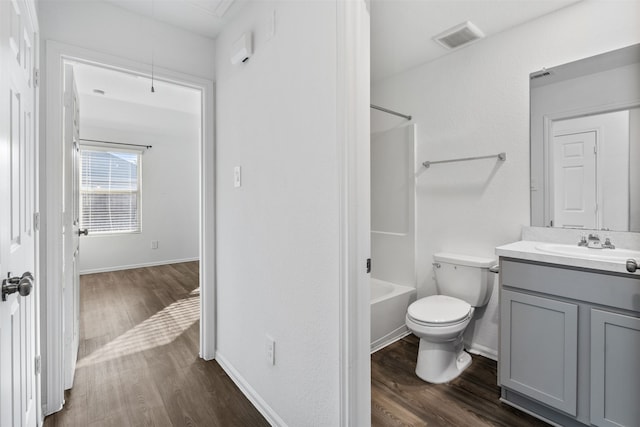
<point x="389" y="341"/>
<point x="56" y="53"/>
<point x="38" y="297"/>
<point x="207" y="226"/>
<point x="484" y="351"/>
<point x="353" y="148"/>
<point x="142" y="265"/>
<point x="51" y="278"/>
<point x="246" y="389"/>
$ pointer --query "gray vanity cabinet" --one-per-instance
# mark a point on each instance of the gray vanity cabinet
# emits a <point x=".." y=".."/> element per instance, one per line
<point x="615" y="376"/>
<point x="540" y="353"/>
<point x="570" y="343"/>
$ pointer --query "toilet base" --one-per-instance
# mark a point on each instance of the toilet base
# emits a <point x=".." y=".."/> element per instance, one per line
<point x="441" y="362"/>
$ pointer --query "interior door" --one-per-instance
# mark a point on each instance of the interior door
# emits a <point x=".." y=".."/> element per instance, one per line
<point x="17" y="204"/>
<point x="71" y="227"/>
<point x="574" y="180"/>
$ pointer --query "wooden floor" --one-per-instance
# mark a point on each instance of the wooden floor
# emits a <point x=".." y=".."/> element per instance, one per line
<point x="138" y="361"/>
<point x="400" y="398"/>
<point x="138" y="365"/>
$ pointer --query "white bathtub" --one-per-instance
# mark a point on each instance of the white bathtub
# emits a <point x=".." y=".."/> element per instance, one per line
<point x="389" y="304"/>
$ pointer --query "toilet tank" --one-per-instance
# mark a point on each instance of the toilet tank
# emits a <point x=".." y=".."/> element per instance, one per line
<point x="464" y="277"/>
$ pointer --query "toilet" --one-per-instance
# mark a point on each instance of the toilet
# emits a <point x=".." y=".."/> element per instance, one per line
<point x="464" y="283"/>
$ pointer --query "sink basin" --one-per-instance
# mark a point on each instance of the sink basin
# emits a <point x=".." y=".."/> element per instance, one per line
<point x="610" y="255"/>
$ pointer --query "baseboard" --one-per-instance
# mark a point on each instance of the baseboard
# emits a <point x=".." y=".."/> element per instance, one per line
<point x="246" y="389"/>
<point x="132" y="266"/>
<point x="390" y="339"/>
<point x="481" y="350"/>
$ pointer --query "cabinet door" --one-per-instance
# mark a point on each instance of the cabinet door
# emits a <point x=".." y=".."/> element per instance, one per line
<point x="615" y="369"/>
<point x="539" y="349"/>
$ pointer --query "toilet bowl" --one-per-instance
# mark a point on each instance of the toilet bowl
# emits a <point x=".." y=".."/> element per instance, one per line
<point x="440" y="320"/>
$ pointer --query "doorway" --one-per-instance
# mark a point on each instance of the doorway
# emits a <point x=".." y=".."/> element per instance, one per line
<point x="590" y="171"/>
<point x="100" y="140"/>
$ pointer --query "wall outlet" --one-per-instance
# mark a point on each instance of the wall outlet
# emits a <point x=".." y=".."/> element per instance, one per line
<point x="270" y="349"/>
<point x="154" y="244"/>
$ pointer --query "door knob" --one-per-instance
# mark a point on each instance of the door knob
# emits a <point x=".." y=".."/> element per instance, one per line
<point x="23" y="285"/>
<point x="632" y="265"/>
<point x="84" y="231"/>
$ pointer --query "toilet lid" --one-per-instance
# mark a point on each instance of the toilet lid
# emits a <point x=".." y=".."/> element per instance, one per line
<point x="439" y="309"/>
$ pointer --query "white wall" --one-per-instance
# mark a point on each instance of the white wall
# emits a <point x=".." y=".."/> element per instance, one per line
<point x="170" y="184"/>
<point x="475" y="101"/>
<point x="278" y="234"/>
<point x="109" y="29"/>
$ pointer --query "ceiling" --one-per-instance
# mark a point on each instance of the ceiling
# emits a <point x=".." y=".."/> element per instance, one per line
<point x="401" y="37"/>
<point x="204" y="17"/>
<point x="129" y="88"/>
<point x="402" y="31"/>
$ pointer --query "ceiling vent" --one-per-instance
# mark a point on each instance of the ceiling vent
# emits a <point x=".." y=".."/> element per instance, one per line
<point x="539" y="74"/>
<point x="459" y="35"/>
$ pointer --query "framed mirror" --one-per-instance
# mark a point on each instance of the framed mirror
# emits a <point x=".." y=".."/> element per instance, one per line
<point x="585" y="143"/>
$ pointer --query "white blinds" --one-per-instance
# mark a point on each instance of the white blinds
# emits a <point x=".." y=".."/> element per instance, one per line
<point x="109" y="190"/>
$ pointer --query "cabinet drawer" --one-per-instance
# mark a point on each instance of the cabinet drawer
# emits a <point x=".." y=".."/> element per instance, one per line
<point x="590" y="286"/>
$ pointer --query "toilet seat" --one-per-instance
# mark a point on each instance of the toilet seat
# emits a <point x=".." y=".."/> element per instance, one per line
<point x="439" y="310"/>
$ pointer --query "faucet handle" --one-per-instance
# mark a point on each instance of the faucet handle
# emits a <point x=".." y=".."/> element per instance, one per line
<point x="607" y="244"/>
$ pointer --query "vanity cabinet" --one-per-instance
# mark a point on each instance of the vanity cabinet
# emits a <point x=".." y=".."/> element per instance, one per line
<point x="570" y="343"/>
<point x="615" y="376"/>
<point x="540" y="349"/>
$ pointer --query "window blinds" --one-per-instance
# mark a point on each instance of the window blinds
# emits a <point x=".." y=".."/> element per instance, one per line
<point x="109" y="190"/>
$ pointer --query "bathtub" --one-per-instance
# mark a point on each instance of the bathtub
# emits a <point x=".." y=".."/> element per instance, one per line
<point x="389" y="304"/>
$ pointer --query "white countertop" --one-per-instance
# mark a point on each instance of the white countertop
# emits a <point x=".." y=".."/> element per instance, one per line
<point x="527" y="250"/>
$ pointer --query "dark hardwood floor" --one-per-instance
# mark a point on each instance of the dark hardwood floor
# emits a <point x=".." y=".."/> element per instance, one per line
<point x="138" y="365"/>
<point x="400" y="398"/>
<point x="138" y="361"/>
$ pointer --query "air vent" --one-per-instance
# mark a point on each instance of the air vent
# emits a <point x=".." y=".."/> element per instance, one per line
<point x="540" y="74"/>
<point x="459" y="35"/>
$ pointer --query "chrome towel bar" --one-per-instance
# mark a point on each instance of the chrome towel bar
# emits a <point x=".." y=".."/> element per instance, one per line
<point x="500" y="156"/>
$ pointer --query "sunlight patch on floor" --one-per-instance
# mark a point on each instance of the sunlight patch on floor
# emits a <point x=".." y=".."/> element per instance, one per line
<point x="160" y="329"/>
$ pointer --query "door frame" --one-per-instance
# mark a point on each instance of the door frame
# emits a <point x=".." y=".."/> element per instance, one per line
<point x="354" y="159"/>
<point x="50" y="250"/>
<point x="547" y="141"/>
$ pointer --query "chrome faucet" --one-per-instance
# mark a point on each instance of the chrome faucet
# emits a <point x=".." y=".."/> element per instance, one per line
<point x="607" y="244"/>
<point x="594" y="242"/>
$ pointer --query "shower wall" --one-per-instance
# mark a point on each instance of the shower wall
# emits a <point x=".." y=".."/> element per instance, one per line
<point x="393" y="205"/>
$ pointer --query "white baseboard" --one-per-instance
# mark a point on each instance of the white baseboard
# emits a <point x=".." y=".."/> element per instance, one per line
<point x="481" y="350"/>
<point x="397" y="335"/>
<point x="246" y="389"/>
<point x="131" y="266"/>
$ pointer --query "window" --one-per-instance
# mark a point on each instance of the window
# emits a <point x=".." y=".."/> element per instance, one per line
<point x="109" y="190"/>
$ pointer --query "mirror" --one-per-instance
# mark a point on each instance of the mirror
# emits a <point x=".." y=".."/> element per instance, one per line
<point x="585" y="143"/>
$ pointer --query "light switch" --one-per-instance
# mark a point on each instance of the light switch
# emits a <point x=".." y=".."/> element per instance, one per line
<point x="237" y="177"/>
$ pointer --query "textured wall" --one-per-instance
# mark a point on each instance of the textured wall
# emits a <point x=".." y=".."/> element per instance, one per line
<point x="277" y="235"/>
